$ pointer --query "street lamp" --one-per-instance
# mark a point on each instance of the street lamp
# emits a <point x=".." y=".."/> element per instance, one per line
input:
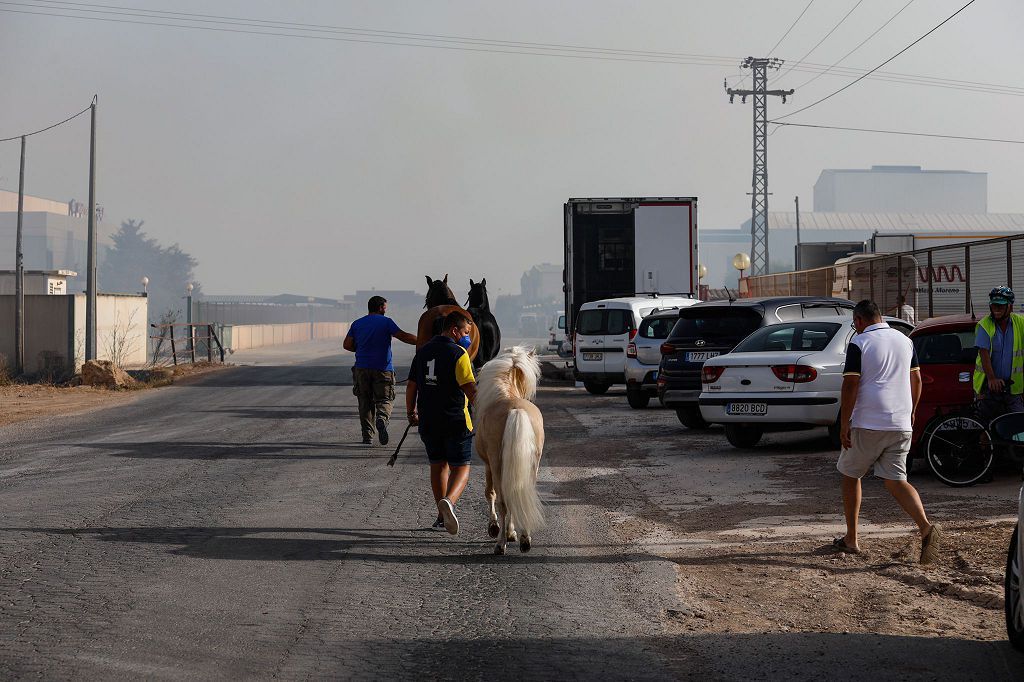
<point x="188" y="314"/>
<point x="741" y="262"/>
<point x="145" y="284"/>
<point x="702" y="271"/>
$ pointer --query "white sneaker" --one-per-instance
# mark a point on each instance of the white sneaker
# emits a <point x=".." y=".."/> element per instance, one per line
<point x="451" y="521"/>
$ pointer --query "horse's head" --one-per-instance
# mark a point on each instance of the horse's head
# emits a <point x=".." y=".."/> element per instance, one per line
<point x="478" y="294"/>
<point x="438" y="293"/>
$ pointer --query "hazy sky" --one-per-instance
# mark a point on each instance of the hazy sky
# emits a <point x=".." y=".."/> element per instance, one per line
<point x="322" y="166"/>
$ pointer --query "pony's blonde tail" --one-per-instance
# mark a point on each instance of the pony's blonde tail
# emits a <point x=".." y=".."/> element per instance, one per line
<point x="519" y="458"/>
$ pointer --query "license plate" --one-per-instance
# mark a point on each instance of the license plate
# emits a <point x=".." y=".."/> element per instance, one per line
<point x="701" y="355"/>
<point x="592" y="357"/>
<point x="753" y="409"/>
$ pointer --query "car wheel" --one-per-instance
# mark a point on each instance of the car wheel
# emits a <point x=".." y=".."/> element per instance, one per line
<point x="637" y="398"/>
<point x="595" y="387"/>
<point x="1013" y="604"/>
<point x="691" y="418"/>
<point x="743" y="436"/>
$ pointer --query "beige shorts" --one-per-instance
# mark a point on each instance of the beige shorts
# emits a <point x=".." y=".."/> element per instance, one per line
<point x="885" y="450"/>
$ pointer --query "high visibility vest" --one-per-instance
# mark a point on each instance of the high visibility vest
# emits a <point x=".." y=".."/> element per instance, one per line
<point x="1017" y="366"/>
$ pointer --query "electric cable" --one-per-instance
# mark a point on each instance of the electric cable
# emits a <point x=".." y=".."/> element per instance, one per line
<point x="860" y="78"/>
<point x="791" y="27"/>
<point x="899" y="132"/>
<point x="818" y="44"/>
<point x="51" y="127"/>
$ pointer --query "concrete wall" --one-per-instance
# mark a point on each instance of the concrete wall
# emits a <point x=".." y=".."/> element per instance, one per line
<point x="55" y="331"/>
<point x="245" y="336"/>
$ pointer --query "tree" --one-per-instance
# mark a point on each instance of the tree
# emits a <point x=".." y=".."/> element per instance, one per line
<point x="136" y="255"/>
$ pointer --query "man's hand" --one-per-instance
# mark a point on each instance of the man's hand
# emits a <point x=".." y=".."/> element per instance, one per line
<point x="995" y="385"/>
<point x="844" y="435"/>
<point x="414" y="419"/>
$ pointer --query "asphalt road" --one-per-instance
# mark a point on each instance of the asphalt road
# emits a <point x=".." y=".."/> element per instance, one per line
<point x="232" y="526"/>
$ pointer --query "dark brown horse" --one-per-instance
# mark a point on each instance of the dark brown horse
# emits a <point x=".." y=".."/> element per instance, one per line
<point x="439" y="302"/>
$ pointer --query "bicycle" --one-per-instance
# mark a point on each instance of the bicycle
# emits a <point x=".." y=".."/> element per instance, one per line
<point x="959" y="446"/>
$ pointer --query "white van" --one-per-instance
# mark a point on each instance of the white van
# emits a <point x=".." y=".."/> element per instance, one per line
<point x="605" y="328"/>
<point x="556" y="334"/>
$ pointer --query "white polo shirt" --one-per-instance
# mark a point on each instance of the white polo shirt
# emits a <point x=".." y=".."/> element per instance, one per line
<point x="883" y="358"/>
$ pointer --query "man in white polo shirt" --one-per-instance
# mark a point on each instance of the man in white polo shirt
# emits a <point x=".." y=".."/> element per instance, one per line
<point x="881" y="387"/>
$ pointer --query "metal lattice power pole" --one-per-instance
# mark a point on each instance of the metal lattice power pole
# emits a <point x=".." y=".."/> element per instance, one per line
<point x="759" y="196"/>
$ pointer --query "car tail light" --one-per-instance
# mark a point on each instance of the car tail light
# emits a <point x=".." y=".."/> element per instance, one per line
<point x="710" y="375"/>
<point x="667" y="349"/>
<point x="632" y="334"/>
<point x="662" y="381"/>
<point x="797" y="374"/>
<point x="631" y="350"/>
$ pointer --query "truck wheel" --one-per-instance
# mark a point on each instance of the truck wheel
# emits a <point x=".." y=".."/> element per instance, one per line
<point x="637" y="398"/>
<point x="691" y="418"/>
<point x="743" y="436"/>
<point x="595" y="387"/>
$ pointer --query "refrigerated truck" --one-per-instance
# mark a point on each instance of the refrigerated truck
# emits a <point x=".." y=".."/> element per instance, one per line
<point x="617" y="247"/>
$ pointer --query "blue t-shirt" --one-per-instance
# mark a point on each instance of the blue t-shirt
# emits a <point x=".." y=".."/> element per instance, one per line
<point x="372" y="334"/>
<point x="1000" y="349"/>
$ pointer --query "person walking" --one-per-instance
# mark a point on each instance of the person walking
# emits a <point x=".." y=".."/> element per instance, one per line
<point x="373" y="375"/>
<point x="999" y="338"/>
<point x="437" y="398"/>
<point x="881" y="389"/>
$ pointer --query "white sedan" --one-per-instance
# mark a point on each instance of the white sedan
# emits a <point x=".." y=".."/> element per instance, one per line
<point x="781" y="376"/>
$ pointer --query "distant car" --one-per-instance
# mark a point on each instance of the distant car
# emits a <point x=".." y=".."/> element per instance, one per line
<point x="782" y="376"/>
<point x="945" y="349"/>
<point x="643" y="355"/>
<point x="602" y="331"/>
<point x="710" y="329"/>
<point x="556" y="334"/>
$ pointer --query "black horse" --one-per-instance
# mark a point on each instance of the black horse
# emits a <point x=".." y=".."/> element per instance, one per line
<point x="438" y="293"/>
<point x="490" y="335"/>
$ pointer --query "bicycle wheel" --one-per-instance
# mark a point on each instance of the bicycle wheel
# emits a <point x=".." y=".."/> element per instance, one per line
<point x="959" y="450"/>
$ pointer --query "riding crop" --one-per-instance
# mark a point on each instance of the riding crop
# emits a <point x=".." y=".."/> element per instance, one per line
<point x="391" y="462"/>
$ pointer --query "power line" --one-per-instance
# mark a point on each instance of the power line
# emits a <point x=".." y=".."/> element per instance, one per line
<point x="50" y="127"/>
<point x="859" y="79"/>
<point x="818" y="44"/>
<point x="860" y="45"/>
<point x="791" y="27"/>
<point x="899" y="132"/>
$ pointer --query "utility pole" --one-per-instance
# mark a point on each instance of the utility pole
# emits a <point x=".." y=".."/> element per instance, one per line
<point x="796" y="200"/>
<point x="19" y="273"/>
<point x="759" y="196"/>
<point x="90" y="277"/>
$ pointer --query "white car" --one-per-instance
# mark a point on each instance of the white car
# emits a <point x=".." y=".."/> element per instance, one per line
<point x="556" y="334"/>
<point x="643" y="357"/>
<point x="782" y="375"/>
<point x="603" y="329"/>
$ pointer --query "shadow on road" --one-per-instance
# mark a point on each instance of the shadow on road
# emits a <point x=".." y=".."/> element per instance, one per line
<point x="289" y="375"/>
<point x="289" y="412"/>
<point x="282" y="451"/>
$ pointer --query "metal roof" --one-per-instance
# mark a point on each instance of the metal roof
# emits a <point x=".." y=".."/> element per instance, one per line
<point x="903" y="223"/>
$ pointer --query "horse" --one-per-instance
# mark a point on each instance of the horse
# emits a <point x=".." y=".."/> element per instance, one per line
<point x="439" y="302"/>
<point x="510" y="441"/>
<point x="490" y="335"/>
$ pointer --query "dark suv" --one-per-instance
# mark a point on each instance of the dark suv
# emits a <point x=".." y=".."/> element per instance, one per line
<point x="712" y="328"/>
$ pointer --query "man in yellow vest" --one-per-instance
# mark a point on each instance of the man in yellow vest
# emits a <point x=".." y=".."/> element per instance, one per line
<point x="1000" y="341"/>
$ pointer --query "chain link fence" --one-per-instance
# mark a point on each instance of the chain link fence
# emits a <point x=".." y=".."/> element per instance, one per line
<point x="945" y="280"/>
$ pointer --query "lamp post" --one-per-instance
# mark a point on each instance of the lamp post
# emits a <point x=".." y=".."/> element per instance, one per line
<point x="309" y="315"/>
<point x="702" y="272"/>
<point x="188" y="315"/>
<point x="741" y="262"/>
<point x="145" y="285"/>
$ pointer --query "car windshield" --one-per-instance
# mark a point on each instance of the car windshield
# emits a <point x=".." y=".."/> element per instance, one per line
<point x="561" y="321"/>
<point x="657" y="327"/>
<point x="719" y="323"/>
<point x="797" y="336"/>
<point x="948" y="348"/>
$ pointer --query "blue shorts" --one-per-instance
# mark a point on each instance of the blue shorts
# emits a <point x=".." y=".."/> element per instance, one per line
<point x="455" y="450"/>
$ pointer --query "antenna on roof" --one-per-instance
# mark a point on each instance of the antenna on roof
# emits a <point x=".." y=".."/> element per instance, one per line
<point x="732" y="299"/>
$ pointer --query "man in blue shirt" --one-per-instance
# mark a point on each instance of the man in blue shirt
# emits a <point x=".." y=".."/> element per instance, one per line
<point x="373" y="375"/>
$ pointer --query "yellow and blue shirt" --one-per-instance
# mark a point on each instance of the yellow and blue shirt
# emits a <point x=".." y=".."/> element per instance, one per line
<point x="439" y="369"/>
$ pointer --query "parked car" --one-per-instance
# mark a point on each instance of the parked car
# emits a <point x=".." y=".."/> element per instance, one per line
<point x="603" y="330"/>
<point x="643" y="355"/>
<point x="946" y="352"/>
<point x="556" y="334"/>
<point x="783" y="376"/>
<point x="709" y="329"/>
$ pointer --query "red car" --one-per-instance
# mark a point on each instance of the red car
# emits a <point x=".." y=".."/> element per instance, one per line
<point x="945" y="349"/>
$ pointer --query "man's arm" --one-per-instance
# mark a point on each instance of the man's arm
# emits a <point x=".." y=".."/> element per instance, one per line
<point x="915" y="391"/>
<point x="851" y="383"/>
<point x="410" y="402"/>
<point x="470" y="391"/>
<point x="349" y="344"/>
<point x="995" y="384"/>
<point x="405" y="337"/>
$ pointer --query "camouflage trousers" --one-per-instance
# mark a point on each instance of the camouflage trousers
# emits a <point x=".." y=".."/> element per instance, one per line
<point x="376" y="393"/>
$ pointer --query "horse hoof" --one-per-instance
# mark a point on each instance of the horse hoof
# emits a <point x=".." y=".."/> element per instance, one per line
<point x="512" y="537"/>
<point x="524" y="544"/>
<point x="499" y="549"/>
<point x="493" y="529"/>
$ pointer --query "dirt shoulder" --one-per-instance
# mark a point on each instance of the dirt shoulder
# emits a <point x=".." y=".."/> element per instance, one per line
<point x="22" y="402"/>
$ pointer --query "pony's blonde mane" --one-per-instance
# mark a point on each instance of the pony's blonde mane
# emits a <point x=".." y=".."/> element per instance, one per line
<point x="514" y="373"/>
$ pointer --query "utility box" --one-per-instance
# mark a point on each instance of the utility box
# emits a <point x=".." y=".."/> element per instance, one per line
<point x="37" y="282"/>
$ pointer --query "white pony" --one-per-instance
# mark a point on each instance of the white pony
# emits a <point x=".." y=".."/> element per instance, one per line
<point x="510" y="440"/>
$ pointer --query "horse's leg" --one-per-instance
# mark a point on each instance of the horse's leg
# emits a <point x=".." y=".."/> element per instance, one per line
<point x="492" y="527"/>
<point x="499" y="548"/>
